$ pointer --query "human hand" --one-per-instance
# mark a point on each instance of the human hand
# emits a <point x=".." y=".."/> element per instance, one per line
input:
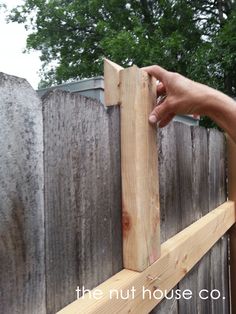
<point x="182" y="96"/>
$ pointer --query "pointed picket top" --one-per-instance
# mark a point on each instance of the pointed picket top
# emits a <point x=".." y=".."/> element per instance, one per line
<point x="112" y="82"/>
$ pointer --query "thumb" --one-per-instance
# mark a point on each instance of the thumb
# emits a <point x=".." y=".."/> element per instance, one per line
<point x="159" y="112"/>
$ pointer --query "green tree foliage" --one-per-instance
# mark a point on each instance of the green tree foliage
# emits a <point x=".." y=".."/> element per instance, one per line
<point x="194" y="37"/>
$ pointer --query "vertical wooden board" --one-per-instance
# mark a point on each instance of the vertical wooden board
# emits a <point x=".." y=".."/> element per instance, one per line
<point x="217" y="172"/>
<point x="111" y="82"/>
<point x="168" y="178"/>
<point x="231" y="172"/>
<point x="201" y="206"/>
<point x="22" y="281"/>
<point x="140" y="193"/>
<point x="198" y="278"/>
<point x="169" y="199"/>
<point x="169" y="306"/>
<point x="114" y="183"/>
<point x="176" y="199"/>
<point x="82" y="195"/>
<point x="200" y="172"/>
<point x="196" y="194"/>
<point x="231" y="168"/>
<point x="186" y="208"/>
<point x="184" y="164"/>
<point x="203" y="283"/>
<point x="217" y="195"/>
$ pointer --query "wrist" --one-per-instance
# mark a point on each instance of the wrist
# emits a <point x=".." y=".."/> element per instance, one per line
<point x="222" y="109"/>
<point x="213" y="103"/>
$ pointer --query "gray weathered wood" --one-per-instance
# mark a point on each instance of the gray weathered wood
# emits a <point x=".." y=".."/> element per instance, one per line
<point x="22" y="281"/>
<point x="217" y="195"/>
<point x="191" y="184"/>
<point x="185" y="177"/>
<point x="201" y="207"/>
<point x="169" y="198"/>
<point x="189" y="213"/>
<point x="168" y="177"/>
<point x="69" y="235"/>
<point x="82" y="195"/>
<point x="212" y="271"/>
<point x="198" y="278"/>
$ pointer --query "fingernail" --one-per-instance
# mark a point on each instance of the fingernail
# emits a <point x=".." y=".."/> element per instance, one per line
<point x="153" y="119"/>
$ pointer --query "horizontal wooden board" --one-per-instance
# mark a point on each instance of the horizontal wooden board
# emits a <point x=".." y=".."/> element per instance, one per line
<point x="179" y="254"/>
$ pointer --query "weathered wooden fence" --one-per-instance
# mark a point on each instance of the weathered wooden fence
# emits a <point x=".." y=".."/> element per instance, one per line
<point x="60" y="200"/>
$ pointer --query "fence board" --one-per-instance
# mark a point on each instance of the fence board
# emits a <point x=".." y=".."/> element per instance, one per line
<point x="169" y="198"/>
<point x="22" y="281"/>
<point x="186" y="173"/>
<point x="217" y="195"/>
<point x="231" y="171"/>
<point x="199" y="277"/>
<point x="179" y="254"/>
<point x="82" y="195"/>
<point x="169" y="192"/>
<point x="82" y="227"/>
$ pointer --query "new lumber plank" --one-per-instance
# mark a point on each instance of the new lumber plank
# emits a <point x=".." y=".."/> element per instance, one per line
<point x="135" y="91"/>
<point x="111" y="82"/>
<point x="139" y="171"/>
<point x="231" y="150"/>
<point x="179" y="254"/>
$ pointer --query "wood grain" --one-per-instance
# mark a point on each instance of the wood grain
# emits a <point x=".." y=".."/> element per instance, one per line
<point x="139" y="173"/>
<point x="112" y="83"/>
<point x="22" y="272"/>
<point x="196" y="147"/>
<point x="82" y="195"/>
<point x="179" y="255"/>
<point x="80" y="223"/>
<point x="217" y="195"/>
<point x="231" y="153"/>
<point x="169" y="198"/>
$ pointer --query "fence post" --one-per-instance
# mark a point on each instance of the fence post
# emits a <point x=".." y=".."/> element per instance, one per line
<point x="135" y="91"/>
<point x="231" y="148"/>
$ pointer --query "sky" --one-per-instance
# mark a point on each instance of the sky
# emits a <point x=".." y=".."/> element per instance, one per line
<point x="13" y="41"/>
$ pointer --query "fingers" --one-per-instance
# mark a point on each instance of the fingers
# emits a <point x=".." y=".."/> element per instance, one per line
<point x="159" y="112"/>
<point x="161" y="90"/>
<point x="157" y="71"/>
<point x="162" y="113"/>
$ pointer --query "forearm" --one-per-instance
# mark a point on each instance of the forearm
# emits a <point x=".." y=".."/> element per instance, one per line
<point x="222" y="109"/>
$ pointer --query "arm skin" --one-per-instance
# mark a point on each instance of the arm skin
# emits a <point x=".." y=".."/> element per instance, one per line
<point x="184" y="96"/>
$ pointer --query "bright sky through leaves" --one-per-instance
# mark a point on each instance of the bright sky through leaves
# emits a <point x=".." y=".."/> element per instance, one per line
<point x="13" y="41"/>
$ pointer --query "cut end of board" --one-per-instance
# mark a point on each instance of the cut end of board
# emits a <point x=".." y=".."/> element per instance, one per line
<point x="112" y="82"/>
